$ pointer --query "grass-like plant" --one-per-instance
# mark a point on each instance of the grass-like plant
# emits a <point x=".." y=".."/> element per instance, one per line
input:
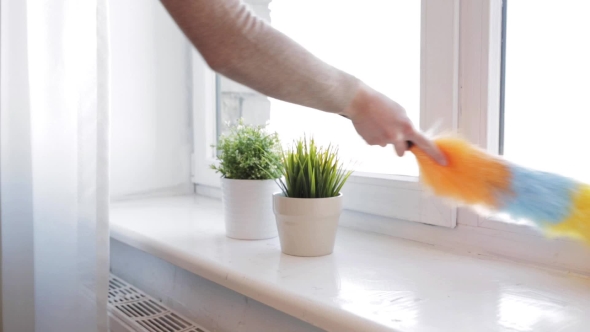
<point x="249" y="152"/>
<point x="310" y="171"/>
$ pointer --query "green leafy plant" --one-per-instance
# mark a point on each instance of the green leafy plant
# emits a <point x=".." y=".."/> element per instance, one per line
<point x="310" y="171"/>
<point x="249" y="152"/>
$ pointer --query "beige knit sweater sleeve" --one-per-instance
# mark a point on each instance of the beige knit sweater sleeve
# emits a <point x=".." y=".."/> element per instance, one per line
<point x="244" y="48"/>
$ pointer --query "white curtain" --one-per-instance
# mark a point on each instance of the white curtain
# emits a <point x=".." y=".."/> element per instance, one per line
<point x="54" y="165"/>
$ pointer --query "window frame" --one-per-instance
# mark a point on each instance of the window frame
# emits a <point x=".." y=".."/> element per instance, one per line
<point x="480" y="82"/>
<point x="481" y="119"/>
<point x="204" y="105"/>
<point x="399" y="197"/>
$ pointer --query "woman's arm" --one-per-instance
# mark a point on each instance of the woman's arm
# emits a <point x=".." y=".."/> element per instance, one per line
<point x="244" y="48"/>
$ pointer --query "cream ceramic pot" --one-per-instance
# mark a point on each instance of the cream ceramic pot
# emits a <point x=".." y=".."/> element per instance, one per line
<point x="307" y="226"/>
<point x="248" y="208"/>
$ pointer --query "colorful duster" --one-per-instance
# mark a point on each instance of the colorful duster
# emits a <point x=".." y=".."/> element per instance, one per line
<point x="558" y="205"/>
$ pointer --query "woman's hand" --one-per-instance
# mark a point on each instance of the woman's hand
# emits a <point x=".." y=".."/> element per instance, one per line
<point x="381" y="121"/>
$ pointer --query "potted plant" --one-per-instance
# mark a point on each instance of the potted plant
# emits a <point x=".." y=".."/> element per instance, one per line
<point x="249" y="164"/>
<point x="309" y="205"/>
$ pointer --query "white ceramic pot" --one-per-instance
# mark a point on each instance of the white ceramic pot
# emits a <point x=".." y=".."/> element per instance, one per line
<point x="248" y="208"/>
<point x="307" y="226"/>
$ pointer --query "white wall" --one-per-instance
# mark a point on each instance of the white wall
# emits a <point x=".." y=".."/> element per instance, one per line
<point x="151" y="111"/>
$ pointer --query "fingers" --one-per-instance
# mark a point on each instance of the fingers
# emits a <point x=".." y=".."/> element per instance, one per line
<point x="400" y="148"/>
<point x="428" y="147"/>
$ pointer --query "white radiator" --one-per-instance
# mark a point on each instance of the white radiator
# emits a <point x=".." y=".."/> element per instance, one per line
<point x="132" y="310"/>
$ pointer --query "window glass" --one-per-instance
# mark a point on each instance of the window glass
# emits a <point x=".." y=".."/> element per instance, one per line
<point x="547" y="84"/>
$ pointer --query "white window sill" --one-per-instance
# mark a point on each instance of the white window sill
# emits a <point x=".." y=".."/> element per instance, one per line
<point x="372" y="282"/>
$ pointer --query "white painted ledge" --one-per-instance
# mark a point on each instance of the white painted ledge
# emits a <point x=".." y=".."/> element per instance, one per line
<point x="371" y="282"/>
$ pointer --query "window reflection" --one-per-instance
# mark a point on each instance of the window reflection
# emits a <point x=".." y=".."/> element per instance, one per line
<point x="391" y="308"/>
<point x="529" y="312"/>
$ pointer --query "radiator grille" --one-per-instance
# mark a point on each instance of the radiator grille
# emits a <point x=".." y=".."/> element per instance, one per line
<point x="143" y="313"/>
